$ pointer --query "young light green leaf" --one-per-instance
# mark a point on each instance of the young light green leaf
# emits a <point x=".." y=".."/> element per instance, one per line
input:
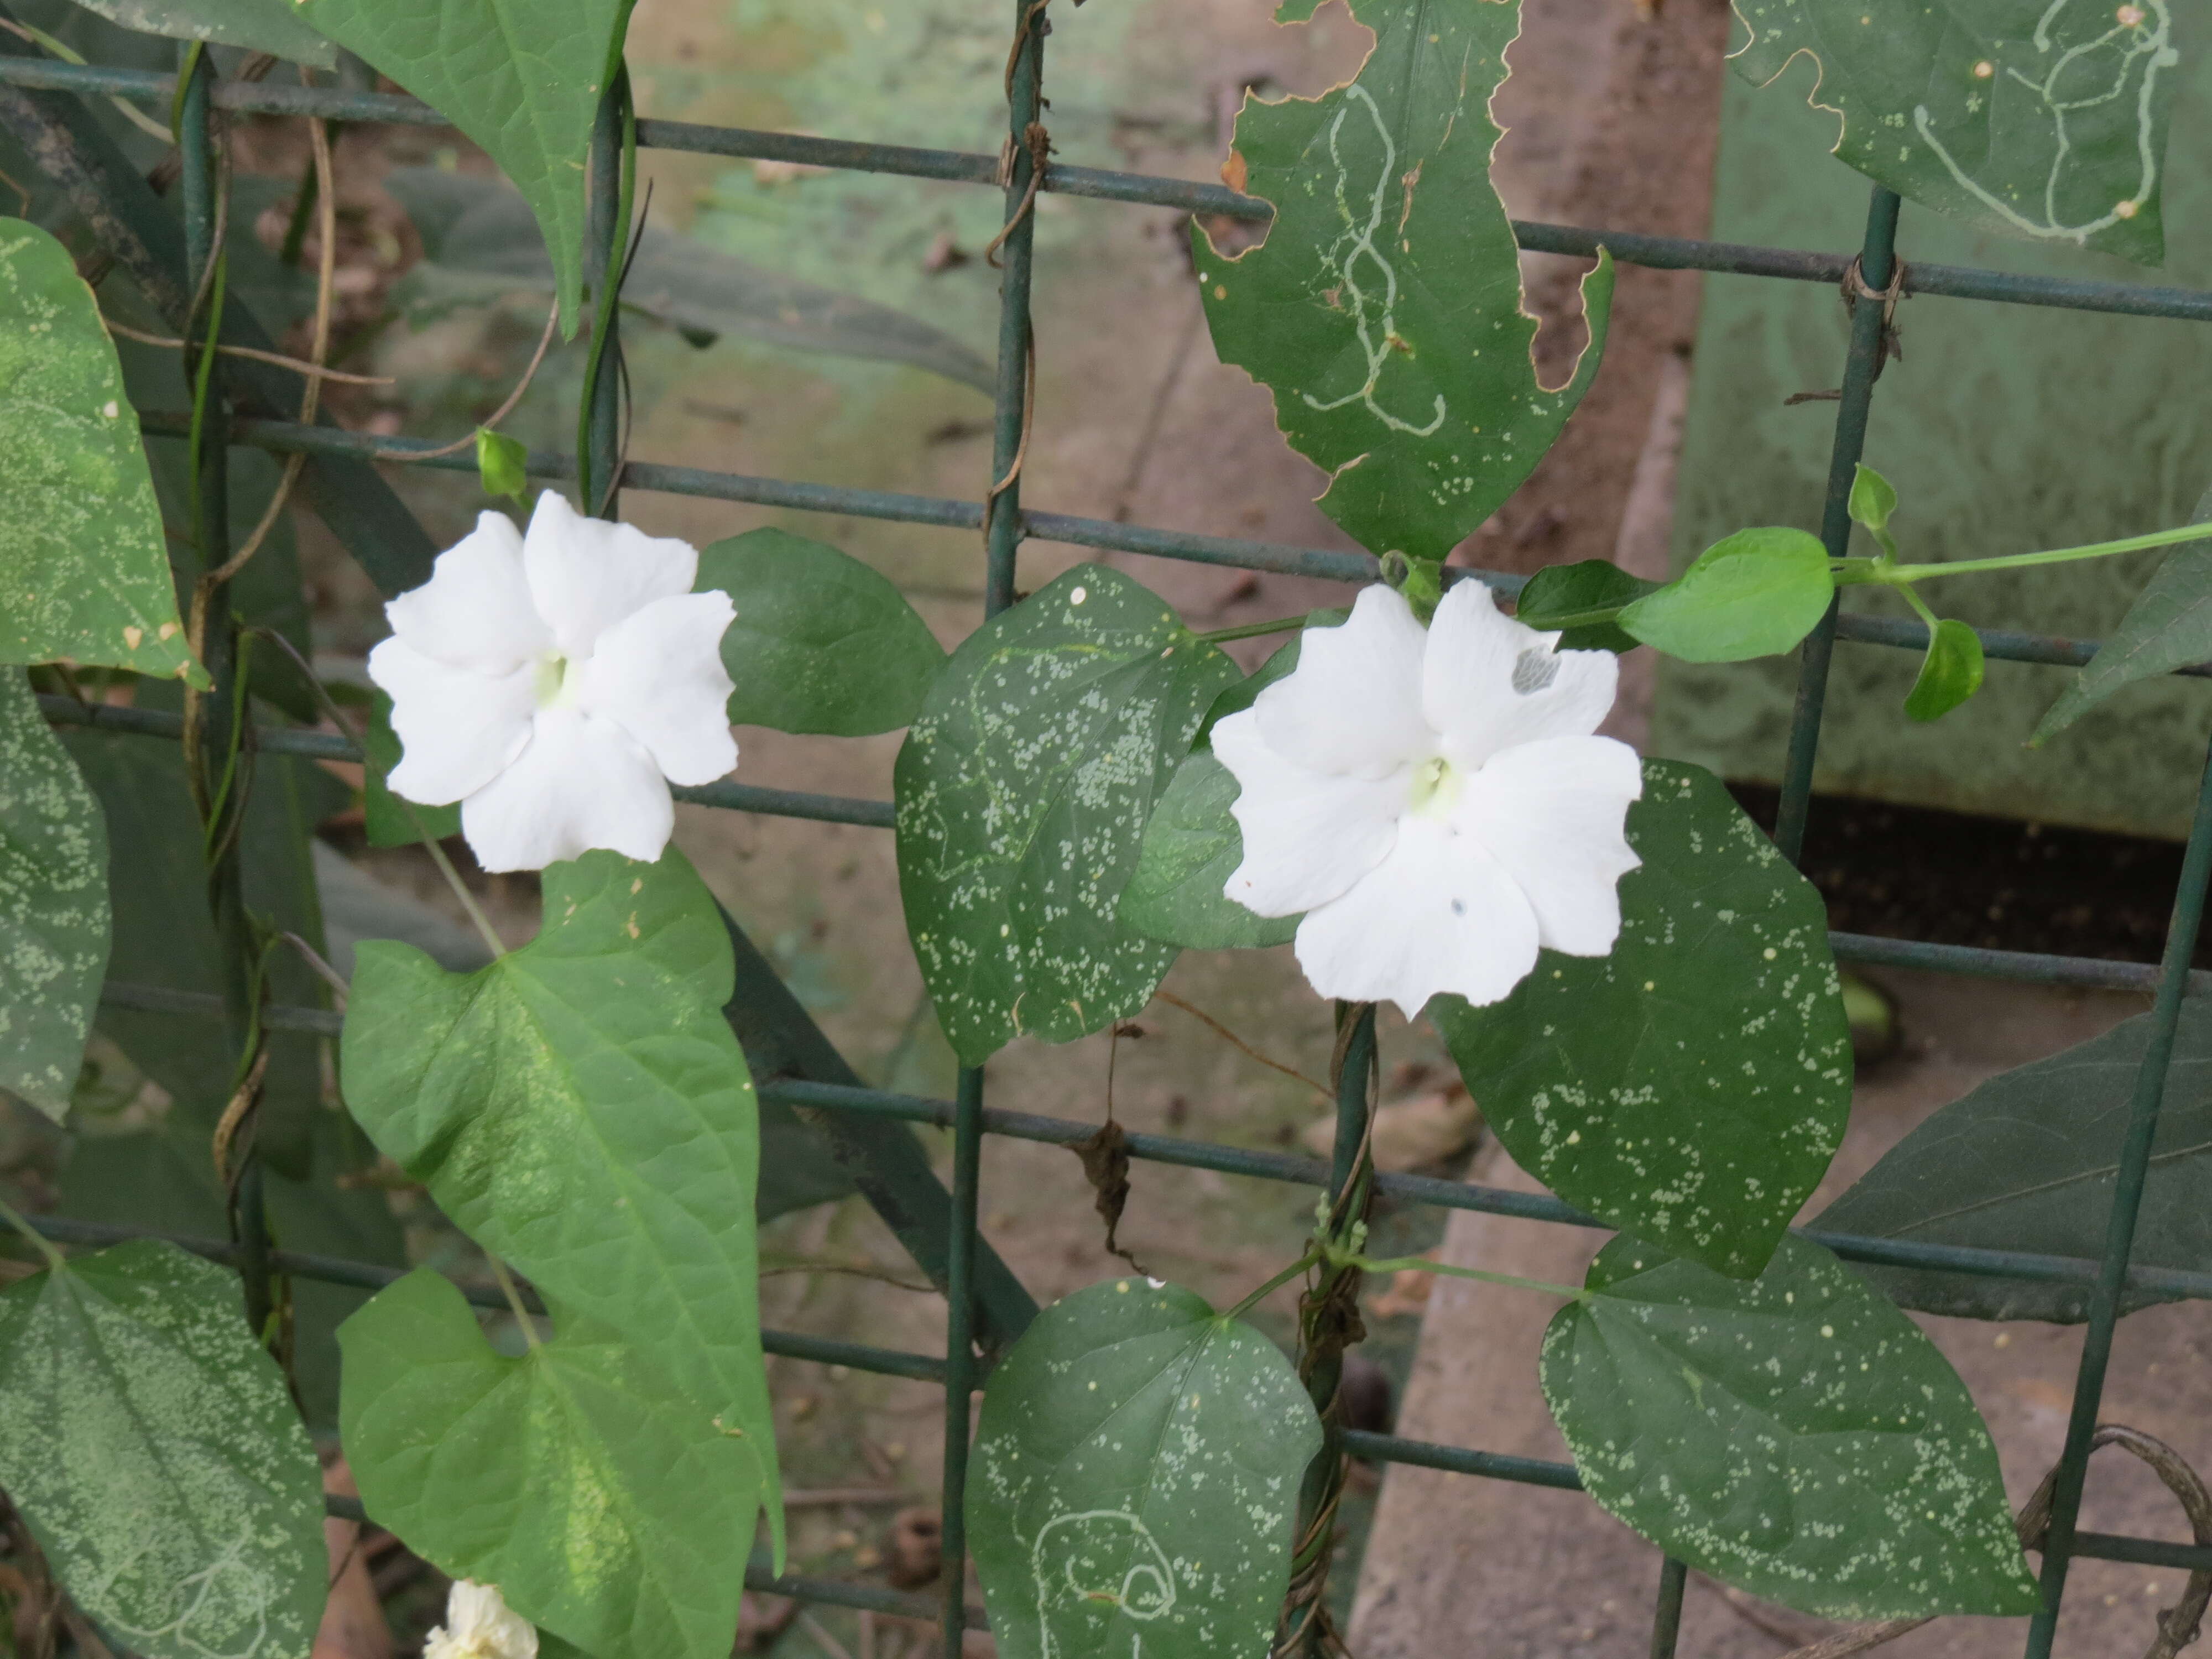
<point x="1136" y="1470"/>
<point x="503" y="465"/>
<point x="1755" y="593"/>
<point x="1191" y="847"/>
<point x="2168" y="627"/>
<point x="1024" y="791"/>
<point x="1950" y="673"/>
<point x="84" y="573"/>
<point x="572" y="1477"/>
<point x="822" y="642"/>
<point x="1796" y="1437"/>
<point x="522" y="78"/>
<point x="270" y="25"/>
<point x="53" y="905"/>
<point x="1874" y="498"/>
<point x="1384" y="309"/>
<point x="388" y="821"/>
<point x="1693" y="1086"/>
<point x="581" y="1109"/>
<point x="149" y="1442"/>
<point x="1570" y="589"/>
<point x="2027" y="1162"/>
<point x="2045" y="122"/>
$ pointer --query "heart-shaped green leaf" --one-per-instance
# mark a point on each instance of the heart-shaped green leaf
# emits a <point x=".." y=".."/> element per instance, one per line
<point x="270" y="25"/>
<point x="1874" y="498"/>
<point x="53" y="905"/>
<point x="1756" y="594"/>
<point x="1950" y="673"/>
<point x="84" y="571"/>
<point x="573" y="1477"/>
<point x="151" y="1443"/>
<point x="1796" y="1437"/>
<point x="1192" y="847"/>
<point x="822" y="642"/>
<point x="1136" y="1469"/>
<point x="1560" y="592"/>
<point x="1384" y="309"/>
<point x="389" y="820"/>
<point x="1024" y="791"/>
<point x="1693" y="1086"/>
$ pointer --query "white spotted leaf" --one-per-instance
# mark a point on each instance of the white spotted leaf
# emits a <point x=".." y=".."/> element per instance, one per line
<point x="151" y="1445"/>
<point x="2045" y="119"/>
<point x="1024" y="791"/>
<point x="1796" y="1437"/>
<point x="54" y="917"/>
<point x="1384" y="309"/>
<point x="1136" y="1472"/>
<point x="1691" y="1087"/>
<point x="84" y="571"/>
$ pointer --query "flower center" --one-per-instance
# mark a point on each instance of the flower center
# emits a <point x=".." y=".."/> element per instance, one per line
<point x="556" y="681"/>
<point x="1436" y="786"/>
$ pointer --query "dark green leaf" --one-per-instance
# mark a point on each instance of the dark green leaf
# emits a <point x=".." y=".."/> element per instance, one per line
<point x="2027" y="1162"/>
<point x="572" y="1477"/>
<point x="389" y="821"/>
<point x="1796" y="1437"/>
<point x="84" y="576"/>
<point x="503" y="465"/>
<point x="2038" y="121"/>
<point x="1560" y="591"/>
<point x="1384" y="309"/>
<point x="1950" y="673"/>
<point x="53" y="905"/>
<point x="1693" y="1086"/>
<point x="1756" y="594"/>
<point x="1024" y="791"/>
<point x="480" y="244"/>
<point x="1246" y="692"/>
<point x="581" y="1109"/>
<point x="522" y="78"/>
<point x="822" y="642"/>
<point x="1192" y="846"/>
<point x="270" y="25"/>
<point x="1136" y="1469"/>
<point x="151" y="1443"/>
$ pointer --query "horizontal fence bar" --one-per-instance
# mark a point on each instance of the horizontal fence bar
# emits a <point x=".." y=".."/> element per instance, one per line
<point x="2033" y="967"/>
<point x="969" y="167"/>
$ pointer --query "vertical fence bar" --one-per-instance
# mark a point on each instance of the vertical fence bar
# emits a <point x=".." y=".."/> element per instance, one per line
<point x="2127" y="1207"/>
<point x="960" y="1351"/>
<point x="1877" y="263"/>
<point x="1667" y="1617"/>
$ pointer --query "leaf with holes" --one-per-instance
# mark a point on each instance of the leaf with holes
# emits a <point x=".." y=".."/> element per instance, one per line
<point x="522" y="78"/>
<point x="580" y="1109"/>
<point x="1024" y="791"/>
<point x="1136" y="1470"/>
<point x="1752" y="594"/>
<point x="151" y="1445"/>
<point x="1691" y="1087"/>
<point x="2045" y="121"/>
<point x="2028" y="1160"/>
<point x="84" y="573"/>
<point x="822" y="642"/>
<point x="270" y="25"/>
<point x="1191" y="847"/>
<point x="1561" y="591"/>
<point x="1384" y="309"/>
<point x="1796" y="1437"/>
<point x="53" y="905"/>
<point x="572" y="1477"/>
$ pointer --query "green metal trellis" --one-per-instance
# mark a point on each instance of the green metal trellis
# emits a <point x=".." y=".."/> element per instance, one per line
<point x="41" y="104"/>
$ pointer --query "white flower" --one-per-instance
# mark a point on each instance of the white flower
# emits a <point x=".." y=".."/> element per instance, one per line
<point x="1432" y="800"/>
<point x="556" y="684"/>
<point x="479" y="1624"/>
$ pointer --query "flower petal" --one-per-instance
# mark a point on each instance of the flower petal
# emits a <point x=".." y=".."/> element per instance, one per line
<point x="581" y="783"/>
<point x="657" y="674"/>
<point x="1553" y="815"/>
<point x="476" y="610"/>
<point x="1439" y="914"/>
<point x="1307" y="836"/>
<point x="458" y="728"/>
<point x="586" y="574"/>
<point x="1490" y="682"/>
<point x="1352" y="706"/>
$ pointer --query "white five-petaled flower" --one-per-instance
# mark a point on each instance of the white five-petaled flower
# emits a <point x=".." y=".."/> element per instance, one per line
<point x="1433" y="800"/>
<point x="479" y="1624"/>
<point x="555" y="684"/>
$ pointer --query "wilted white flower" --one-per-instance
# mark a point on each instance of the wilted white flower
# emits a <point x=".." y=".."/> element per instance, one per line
<point x="555" y="684"/>
<point x="1433" y="800"/>
<point x="479" y="1624"/>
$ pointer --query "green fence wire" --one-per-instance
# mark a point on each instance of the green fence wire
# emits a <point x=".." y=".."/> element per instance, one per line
<point x="979" y="1310"/>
